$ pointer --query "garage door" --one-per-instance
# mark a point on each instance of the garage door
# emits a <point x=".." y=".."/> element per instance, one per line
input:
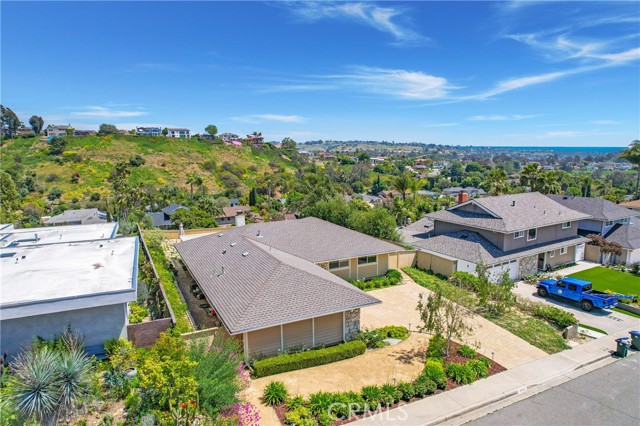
<point x="496" y="270"/>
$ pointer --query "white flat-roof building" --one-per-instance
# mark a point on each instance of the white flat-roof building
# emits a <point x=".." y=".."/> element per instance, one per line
<point x="65" y="277"/>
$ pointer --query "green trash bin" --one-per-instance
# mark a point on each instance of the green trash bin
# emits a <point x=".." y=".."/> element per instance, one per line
<point x="635" y="339"/>
<point x="623" y="346"/>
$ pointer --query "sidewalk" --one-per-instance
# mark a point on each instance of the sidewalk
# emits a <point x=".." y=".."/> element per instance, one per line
<point x="519" y="380"/>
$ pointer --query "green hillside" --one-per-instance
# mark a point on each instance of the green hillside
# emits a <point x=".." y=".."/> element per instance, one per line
<point x="167" y="163"/>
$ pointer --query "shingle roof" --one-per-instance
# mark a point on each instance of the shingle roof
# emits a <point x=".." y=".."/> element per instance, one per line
<point x="160" y="219"/>
<point x="597" y="208"/>
<point x="474" y="248"/>
<point x="509" y="213"/>
<point x="172" y="208"/>
<point x="86" y="215"/>
<point x="628" y="236"/>
<point x="234" y="211"/>
<point x="252" y="285"/>
<point x="418" y="230"/>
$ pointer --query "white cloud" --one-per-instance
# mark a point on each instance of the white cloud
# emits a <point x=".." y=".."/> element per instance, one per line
<point x="102" y="112"/>
<point x="436" y="125"/>
<point x="560" y="134"/>
<point x="398" y="83"/>
<point x="604" y="122"/>
<point x="259" y="118"/>
<point x="497" y="117"/>
<point x="381" y="18"/>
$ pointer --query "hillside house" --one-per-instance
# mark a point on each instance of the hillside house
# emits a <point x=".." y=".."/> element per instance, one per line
<point x="179" y="133"/>
<point x="148" y="131"/>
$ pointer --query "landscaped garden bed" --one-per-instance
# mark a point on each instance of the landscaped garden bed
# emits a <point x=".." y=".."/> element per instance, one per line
<point x="391" y="278"/>
<point x="462" y="365"/>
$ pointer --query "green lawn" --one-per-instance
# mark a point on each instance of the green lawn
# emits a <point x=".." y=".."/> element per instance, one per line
<point x="610" y="279"/>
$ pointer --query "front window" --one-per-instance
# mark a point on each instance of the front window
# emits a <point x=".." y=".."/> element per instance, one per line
<point x="609" y="223"/>
<point x="552" y="253"/>
<point x="625" y="220"/>
<point x="339" y="264"/>
<point x="518" y="234"/>
<point x="566" y="225"/>
<point x="365" y="260"/>
<point x="563" y="250"/>
<point x="532" y="234"/>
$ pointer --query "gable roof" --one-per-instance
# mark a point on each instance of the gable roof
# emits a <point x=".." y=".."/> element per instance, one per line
<point x="253" y="285"/>
<point x="597" y="208"/>
<point x="509" y="213"/>
<point x="628" y="236"/>
<point x="235" y="210"/>
<point x="474" y="248"/>
<point x="172" y="208"/>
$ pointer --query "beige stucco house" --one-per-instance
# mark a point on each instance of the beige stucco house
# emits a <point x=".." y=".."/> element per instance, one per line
<point x="281" y="285"/>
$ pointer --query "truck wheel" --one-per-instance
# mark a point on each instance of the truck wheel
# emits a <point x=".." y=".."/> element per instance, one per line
<point x="586" y="305"/>
<point x="542" y="292"/>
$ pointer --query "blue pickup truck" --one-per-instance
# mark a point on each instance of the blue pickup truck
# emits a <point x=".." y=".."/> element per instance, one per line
<point x="579" y="291"/>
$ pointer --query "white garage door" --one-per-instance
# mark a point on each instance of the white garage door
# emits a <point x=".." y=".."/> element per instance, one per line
<point x="496" y="270"/>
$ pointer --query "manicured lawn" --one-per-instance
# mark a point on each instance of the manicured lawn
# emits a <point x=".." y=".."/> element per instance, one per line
<point x="610" y="279"/>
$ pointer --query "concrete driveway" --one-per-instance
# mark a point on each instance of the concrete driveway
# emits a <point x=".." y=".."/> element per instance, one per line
<point x="398" y="307"/>
<point x="610" y="321"/>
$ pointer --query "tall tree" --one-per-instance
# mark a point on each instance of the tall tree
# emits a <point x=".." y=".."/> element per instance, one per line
<point x="9" y="199"/>
<point x="632" y="155"/>
<point x="165" y="131"/>
<point x="9" y="120"/>
<point x="107" y="129"/>
<point x="530" y="176"/>
<point x="549" y="183"/>
<point x="37" y="123"/>
<point x="211" y="129"/>
<point x="403" y="183"/>
<point x="496" y="182"/>
<point x="194" y="179"/>
<point x="288" y="144"/>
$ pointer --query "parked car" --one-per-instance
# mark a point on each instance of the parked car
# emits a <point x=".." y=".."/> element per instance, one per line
<point x="580" y="291"/>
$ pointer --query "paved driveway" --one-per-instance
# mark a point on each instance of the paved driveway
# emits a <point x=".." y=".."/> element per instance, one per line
<point x="398" y="307"/>
<point x="610" y="321"/>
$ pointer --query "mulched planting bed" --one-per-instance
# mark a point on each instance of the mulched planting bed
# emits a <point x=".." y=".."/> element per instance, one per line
<point x="453" y="357"/>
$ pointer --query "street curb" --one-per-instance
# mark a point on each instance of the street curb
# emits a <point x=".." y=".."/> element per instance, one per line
<point x="521" y="390"/>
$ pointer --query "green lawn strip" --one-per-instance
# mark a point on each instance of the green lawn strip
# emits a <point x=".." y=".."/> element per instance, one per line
<point x="588" y="327"/>
<point x="535" y="331"/>
<point x="610" y="279"/>
<point x="622" y="311"/>
<point x="170" y="286"/>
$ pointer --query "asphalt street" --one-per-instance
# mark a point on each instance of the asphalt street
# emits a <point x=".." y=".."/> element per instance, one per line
<point x="608" y="396"/>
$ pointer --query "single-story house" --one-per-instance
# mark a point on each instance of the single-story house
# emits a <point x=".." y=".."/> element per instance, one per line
<point x="281" y="285"/>
<point x="55" y="277"/>
<point x="628" y="236"/>
<point x="78" y="217"/>
<point x="229" y="214"/>
<point x="162" y="219"/>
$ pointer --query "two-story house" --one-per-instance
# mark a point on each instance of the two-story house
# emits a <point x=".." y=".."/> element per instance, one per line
<point x="518" y="233"/>
<point x="148" y="131"/>
<point x="179" y="133"/>
<point x="57" y="131"/>
<point x="612" y="221"/>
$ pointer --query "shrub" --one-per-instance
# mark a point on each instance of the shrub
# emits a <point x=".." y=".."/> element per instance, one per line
<point x="136" y="161"/>
<point x="394" y="274"/>
<point x="301" y="416"/>
<point x="372" y="338"/>
<point x="480" y="368"/>
<point x="312" y="358"/>
<point x="467" y="351"/>
<point x="137" y="313"/>
<point x="424" y="386"/>
<point x="391" y="394"/>
<point x="372" y="395"/>
<point x="391" y="278"/>
<point x="407" y="389"/>
<point x="461" y="373"/>
<point x="394" y="332"/>
<point x="275" y="393"/>
<point x="434" y="370"/>
<point x="320" y="402"/>
<point x="295" y="402"/>
<point x="437" y="346"/>
<point x="556" y="316"/>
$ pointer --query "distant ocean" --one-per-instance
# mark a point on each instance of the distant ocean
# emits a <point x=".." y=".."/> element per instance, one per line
<point x="563" y="149"/>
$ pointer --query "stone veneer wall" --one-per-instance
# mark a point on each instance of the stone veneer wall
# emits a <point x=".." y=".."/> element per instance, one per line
<point x="351" y="324"/>
<point x="528" y="266"/>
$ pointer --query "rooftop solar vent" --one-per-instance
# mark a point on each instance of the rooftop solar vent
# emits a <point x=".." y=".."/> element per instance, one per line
<point x="245" y="254"/>
<point x="224" y="251"/>
<point x="221" y="234"/>
<point x="232" y="244"/>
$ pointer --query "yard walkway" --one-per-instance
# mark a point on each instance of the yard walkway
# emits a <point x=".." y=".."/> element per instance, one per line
<point x="398" y="307"/>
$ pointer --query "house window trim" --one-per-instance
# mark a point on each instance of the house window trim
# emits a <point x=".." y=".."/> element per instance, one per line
<point x="563" y="250"/>
<point x="608" y="223"/>
<point x="518" y="234"/>
<point x="566" y="225"/>
<point x="535" y="237"/>
<point x="339" y="267"/>
<point x="367" y="262"/>
<point x="552" y="253"/>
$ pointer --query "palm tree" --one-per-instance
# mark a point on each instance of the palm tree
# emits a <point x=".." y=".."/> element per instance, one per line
<point x="496" y="182"/>
<point x="194" y="179"/>
<point x="632" y="155"/>
<point x="549" y="183"/>
<point x="403" y="183"/>
<point x="585" y="183"/>
<point x="530" y="175"/>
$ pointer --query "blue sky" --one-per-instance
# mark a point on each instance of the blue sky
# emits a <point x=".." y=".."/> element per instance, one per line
<point x="468" y="73"/>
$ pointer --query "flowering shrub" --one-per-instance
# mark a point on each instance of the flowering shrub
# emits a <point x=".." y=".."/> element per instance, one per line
<point x="240" y="414"/>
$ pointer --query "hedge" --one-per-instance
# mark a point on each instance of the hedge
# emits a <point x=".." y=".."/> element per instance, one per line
<point x="312" y="358"/>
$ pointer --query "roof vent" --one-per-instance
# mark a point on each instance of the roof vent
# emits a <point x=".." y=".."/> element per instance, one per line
<point x="221" y="234"/>
<point x="224" y="251"/>
<point x="245" y="254"/>
<point x="513" y="203"/>
<point x="259" y="233"/>
<point x="112" y="252"/>
<point x="221" y="271"/>
<point x="36" y="235"/>
<point x="232" y="244"/>
<point x="544" y="212"/>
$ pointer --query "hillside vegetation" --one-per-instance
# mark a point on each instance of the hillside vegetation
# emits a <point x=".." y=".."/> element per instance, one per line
<point x="167" y="163"/>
